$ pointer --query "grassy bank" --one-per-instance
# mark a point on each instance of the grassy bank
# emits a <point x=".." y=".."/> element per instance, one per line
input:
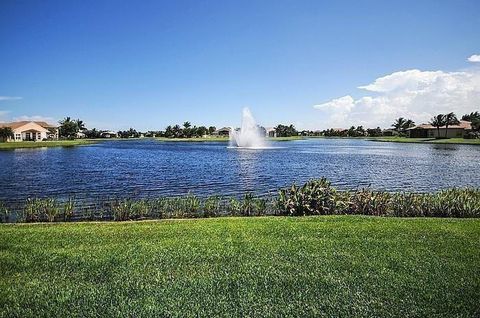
<point x="40" y="144"/>
<point x="312" y="266"/>
<point x="222" y="139"/>
<point x="428" y="140"/>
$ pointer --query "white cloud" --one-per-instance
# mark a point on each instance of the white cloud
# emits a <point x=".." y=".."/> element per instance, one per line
<point x="35" y="118"/>
<point x="10" y="98"/>
<point x="475" y="58"/>
<point x="414" y="94"/>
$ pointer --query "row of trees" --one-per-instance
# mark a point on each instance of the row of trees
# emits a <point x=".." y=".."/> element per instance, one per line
<point x="70" y="128"/>
<point x="401" y="124"/>
<point x="286" y="131"/>
<point x="353" y="131"/>
<point x="187" y="131"/>
<point x="450" y="119"/>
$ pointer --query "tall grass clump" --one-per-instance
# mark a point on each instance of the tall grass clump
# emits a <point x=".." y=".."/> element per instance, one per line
<point x="4" y="213"/>
<point x="68" y="209"/>
<point x="122" y="210"/>
<point x="192" y="205"/>
<point x="51" y="209"/>
<point x="211" y="206"/>
<point x="32" y="210"/>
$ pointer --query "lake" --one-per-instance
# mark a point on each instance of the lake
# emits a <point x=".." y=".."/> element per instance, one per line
<point x="149" y="168"/>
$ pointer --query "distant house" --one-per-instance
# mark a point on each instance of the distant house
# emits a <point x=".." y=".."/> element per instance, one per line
<point x="270" y="132"/>
<point x="31" y="130"/>
<point x="389" y="132"/>
<point x="429" y="131"/>
<point x="108" y="134"/>
<point x="225" y="131"/>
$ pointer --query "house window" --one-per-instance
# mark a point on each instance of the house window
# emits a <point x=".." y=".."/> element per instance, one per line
<point x="18" y="136"/>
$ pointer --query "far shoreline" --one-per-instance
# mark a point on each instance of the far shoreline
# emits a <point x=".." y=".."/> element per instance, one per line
<point x="86" y="142"/>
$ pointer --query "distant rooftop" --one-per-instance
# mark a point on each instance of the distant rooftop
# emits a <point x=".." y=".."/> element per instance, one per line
<point x="462" y="125"/>
<point x="17" y="124"/>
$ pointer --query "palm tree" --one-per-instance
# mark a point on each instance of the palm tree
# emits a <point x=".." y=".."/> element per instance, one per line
<point x="399" y="123"/>
<point x="450" y="119"/>
<point x="6" y="133"/>
<point x="187" y="131"/>
<point x="68" y="128"/>
<point x="438" y="121"/>
<point x="408" y="123"/>
<point x="65" y="120"/>
<point x="471" y="117"/>
<point x="80" y="124"/>
<point x="177" y="131"/>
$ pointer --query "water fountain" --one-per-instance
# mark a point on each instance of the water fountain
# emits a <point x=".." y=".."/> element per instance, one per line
<point x="250" y="134"/>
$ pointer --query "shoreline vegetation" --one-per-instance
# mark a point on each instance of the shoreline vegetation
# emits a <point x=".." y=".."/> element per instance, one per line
<point x="269" y="266"/>
<point x="224" y="139"/>
<point x="454" y="141"/>
<point x="316" y="197"/>
<point x="84" y="142"/>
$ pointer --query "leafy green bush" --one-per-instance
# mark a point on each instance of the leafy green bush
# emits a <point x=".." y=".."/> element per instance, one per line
<point x="314" y="197"/>
<point x="211" y="206"/>
<point x="368" y="202"/>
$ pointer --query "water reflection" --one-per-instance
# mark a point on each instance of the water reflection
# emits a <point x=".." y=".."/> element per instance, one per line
<point x="247" y="160"/>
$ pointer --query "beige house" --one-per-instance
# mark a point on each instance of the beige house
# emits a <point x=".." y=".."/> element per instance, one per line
<point x="270" y="132"/>
<point x="429" y="131"/>
<point x="225" y="131"/>
<point x="31" y="130"/>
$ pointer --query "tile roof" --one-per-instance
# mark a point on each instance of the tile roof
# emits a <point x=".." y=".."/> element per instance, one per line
<point x="17" y="124"/>
<point x="463" y="125"/>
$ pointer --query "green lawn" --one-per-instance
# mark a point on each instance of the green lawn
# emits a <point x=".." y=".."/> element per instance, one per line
<point x="39" y="144"/>
<point x="428" y="140"/>
<point x="345" y="266"/>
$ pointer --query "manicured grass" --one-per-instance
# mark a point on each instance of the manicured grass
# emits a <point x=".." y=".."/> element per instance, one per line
<point x="428" y="140"/>
<point x="39" y="144"/>
<point x="333" y="266"/>
<point x="222" y="139"/>
<point x="206" y="139"/>
<point x="287" y="138"/>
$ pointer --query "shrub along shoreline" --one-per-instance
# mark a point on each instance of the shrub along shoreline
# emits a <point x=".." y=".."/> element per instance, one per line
<point x="316" y="197"/>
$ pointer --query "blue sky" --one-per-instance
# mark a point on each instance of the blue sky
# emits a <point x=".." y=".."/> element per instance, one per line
<point x="146" y="64"/>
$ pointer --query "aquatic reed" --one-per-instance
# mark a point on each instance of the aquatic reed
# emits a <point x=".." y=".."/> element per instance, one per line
<point x="316" y="197"/>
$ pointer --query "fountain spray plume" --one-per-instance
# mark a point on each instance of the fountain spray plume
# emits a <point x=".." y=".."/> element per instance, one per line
<point x="250" y="135"/>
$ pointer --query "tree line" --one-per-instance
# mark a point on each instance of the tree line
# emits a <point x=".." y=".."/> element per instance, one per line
<point x="401" y="124"/>
<point x="71" y="129"/>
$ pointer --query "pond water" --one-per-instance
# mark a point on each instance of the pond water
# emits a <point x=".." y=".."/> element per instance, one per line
<point x="149" y="168"/>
